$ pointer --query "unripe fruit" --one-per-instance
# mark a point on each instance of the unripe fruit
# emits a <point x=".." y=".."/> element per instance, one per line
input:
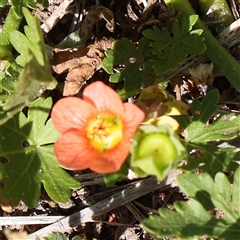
<point x="159" y="146"/>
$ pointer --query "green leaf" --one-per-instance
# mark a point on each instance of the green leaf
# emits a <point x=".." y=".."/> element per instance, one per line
<point x="134" y="60"/>
<point x="27" y="143"/>
<point x="192" y="218"/>
<point x="19" y="4"/>
<point x="201" y="112"/>
<point x="56" y="236"/>
<point x="187" y="223"/>
<point x="2" y="171"/>
<point x="44" y="3"/>
<point x="5" y="53"/>
<point x="12" y="23"/>
<point x="36" y="75"/>
<point x="171" y="49"/>
<point x="183" y="120"/>
<point x="72" y="40"/>
<point x="226" y="127"/>
<point x="32" y="41"/>
<point x="3" y="3"/>
<point x="236" y="190"/>
<point x="211" y="193"/>
<point x="211" y="159"/>
<point x="9" y="76"/>
<point x="207" y="157"/>
<point x="31" y="81"/>
<point x="111" y="178"/>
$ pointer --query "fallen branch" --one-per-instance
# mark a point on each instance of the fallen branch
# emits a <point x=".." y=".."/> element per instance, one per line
<point x="136" y="190"/>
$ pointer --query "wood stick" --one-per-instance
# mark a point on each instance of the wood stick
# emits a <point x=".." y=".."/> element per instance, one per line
<point x="136" y="190"/>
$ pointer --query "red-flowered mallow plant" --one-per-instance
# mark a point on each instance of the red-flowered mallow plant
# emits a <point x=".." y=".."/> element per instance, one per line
<point x="96" y="130"/>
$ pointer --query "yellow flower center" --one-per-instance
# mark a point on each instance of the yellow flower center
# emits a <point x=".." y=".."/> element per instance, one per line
<point x="104" y="132"/>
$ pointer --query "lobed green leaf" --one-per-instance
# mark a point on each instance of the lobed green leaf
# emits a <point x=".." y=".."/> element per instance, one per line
<point x="211" y="159"/>
<point x="192" y="218"/>
<point x="32" y="79"/>
<point x="211" y="193"/>
<point x="171" y="49"/>
<point x="36" y="73"/>
<point x="32" y="41"/>
<point x="12" y="23"/>
<point x="134" y="61"/>
<point x="226" y="127"/>
<point x="27" y="144"/>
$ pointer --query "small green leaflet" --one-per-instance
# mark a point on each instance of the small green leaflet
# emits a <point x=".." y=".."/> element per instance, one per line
<point x="32" y="41"/>
<point x="207" y="157"/>
<point x="30" y="82"/>
<point x="226" y="127"/>
<point x="11" y="23"/>
<point x="9" y="77"/>
<point x="158" y="50"/>
<point x="192" y="218"/>
<point x="36" y="72"/>
<point x="111" y="178"/>
<point x="171" y="49"/>
<point x="72" y="40"/>
<point x="134" y="61"/>
<point x="55" y="236"/>
<point x="211" y="159"/>
<point x="27" y="143"/>
<point x="18" y="5"/>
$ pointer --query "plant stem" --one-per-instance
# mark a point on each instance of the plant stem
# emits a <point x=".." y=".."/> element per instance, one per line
<point x="124" y="95"/>
<point x="216" y="14"/>
<point x="220" y="57"/>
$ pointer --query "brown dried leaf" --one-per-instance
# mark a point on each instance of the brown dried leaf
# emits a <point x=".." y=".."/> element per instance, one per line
<point x="80" y="64"/>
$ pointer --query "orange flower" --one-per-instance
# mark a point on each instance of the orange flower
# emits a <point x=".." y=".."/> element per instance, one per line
<point x="96" y="130"/>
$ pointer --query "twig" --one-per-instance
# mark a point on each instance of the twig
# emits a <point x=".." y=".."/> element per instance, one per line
<point x="29" y="220"/>
<point x="138" y="189"/>
<point x="56" y="16"/>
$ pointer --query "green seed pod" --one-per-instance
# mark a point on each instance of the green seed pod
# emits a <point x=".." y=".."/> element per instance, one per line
<point x="155" y="151"/>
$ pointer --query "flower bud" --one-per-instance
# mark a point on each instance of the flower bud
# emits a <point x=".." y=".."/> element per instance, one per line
<point x="156" y="150"/>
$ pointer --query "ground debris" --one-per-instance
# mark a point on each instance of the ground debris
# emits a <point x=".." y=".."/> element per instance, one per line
<point x="79" y="63"/>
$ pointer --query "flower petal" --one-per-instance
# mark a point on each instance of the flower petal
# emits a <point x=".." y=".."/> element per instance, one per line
<point x="104" y="165"/>
<point x="73" y="151"/>
<point x="71" y="112"/>
<point x="132" y="118"/>
<point x="113" y="159"/>
<point x="104" y="98"/>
